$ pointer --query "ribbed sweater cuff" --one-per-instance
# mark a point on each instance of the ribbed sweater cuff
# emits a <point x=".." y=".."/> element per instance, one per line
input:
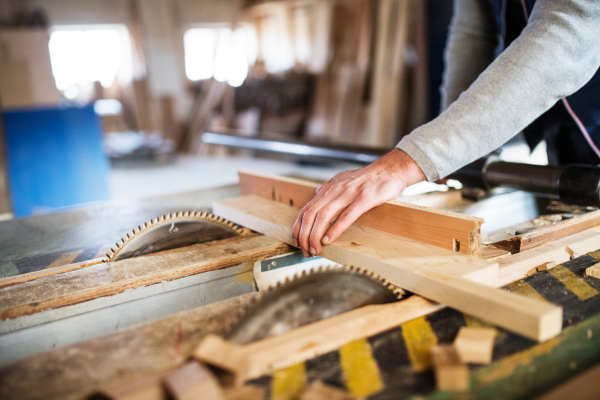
<point x="407" y="146"/>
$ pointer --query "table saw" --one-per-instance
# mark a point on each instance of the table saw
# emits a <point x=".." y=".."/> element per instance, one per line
<point x="78" y="318"/>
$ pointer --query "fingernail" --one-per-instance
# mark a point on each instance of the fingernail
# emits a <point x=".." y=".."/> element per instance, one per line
<point x="306" y="254"/>
<point x="313" y="251"/>
<point x="295" y="242"/>
<point x="325" y="239"/>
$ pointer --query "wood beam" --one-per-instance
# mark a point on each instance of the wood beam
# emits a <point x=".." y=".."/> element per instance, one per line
<point x="411" y="266"/>
<point x="445" y="229"/>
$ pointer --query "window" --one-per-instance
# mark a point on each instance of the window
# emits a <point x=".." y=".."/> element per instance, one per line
<point x="219" y="52"/>
<point x="81" y="55"/>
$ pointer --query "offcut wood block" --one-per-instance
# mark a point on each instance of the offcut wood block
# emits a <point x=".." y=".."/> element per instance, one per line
<point x="193" y="381"/>
<point x="593" y="271"/>
<point x="320" y="391"/>
<point x="450" y="372"/>
<point x="475" y="345"/>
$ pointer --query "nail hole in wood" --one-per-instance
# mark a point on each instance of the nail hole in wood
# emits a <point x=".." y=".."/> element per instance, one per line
<point x="272" y="193"/>
<point x="291" y="202"/>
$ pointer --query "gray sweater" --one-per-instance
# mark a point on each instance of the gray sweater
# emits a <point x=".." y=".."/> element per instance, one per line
<point x="487" y="101"/>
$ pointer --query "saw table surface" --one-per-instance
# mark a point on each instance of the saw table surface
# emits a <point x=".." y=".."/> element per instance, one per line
<point x="391" y="365"/>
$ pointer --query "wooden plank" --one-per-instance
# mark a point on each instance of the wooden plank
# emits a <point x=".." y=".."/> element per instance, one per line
<point x="593" y="271"/>
<point x="424" y="224"/>
<point x="111" y="278"/>
<point x="31" y="276"/>
<point x="193" y="381"/>
<point x="78" y="370"/>
<point x="147" y="388"/>
<point x="265" y="356"/>
<point x="475" y="345"/>
<point x="518" y="265"/>
<point x="550" y="233"/>
<point x="450" y="372"/>
<point x="411" y="266"/>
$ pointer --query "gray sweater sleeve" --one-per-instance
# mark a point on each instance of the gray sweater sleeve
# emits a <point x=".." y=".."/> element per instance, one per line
<point x="556" y="54"/>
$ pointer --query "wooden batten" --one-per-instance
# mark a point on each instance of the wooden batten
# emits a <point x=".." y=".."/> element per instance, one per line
<point x="108" y="279"/>
<point x="434" y="273"/>
<point x="445" y="229"/>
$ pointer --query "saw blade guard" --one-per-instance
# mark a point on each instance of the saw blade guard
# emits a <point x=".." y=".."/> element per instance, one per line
<point x="173" y="231"/>
<point x="309" y="298"/>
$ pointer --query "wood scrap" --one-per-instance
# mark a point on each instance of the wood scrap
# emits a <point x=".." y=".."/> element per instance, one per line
<point x="450" y="372"/>
<point x="593" y="271"/>
<point x="246" y="392"/>
<point x="516" y="266"/>
<point x="546" y="266"/>
<point x="147" y="388"/>
<point x="321" y="391"/>
<point x="265" y="356"/>
<point x="193" y="381"/>
<point x="396" y="259"/>
<point x="475" y="345"/>
<point x="550" y="233"/>
<point x="492" y="253"/>
<point x="428" y="225"/>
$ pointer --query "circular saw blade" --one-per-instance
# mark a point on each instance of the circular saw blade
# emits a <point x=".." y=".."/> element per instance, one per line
<point x="173" y="231"/>
<point x="309" y="298"/>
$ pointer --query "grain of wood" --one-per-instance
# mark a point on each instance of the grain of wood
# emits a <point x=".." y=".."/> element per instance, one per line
<point x="265" y="356"/>
<point x="31" y="276"/>
<point x="424" y="224"/>
<point x="475" y="345"/>
<point x="320" y="391"/>
<point x="516" y="266"/>
<point x="247" y="392"/>
<point x="193" y="381"/>
<point x="426" y="272"/>
<point x="115" y="277"/>
<point x="593" y="271"/>
<point x="450" y="372"/>
<point x="550" y="233"/>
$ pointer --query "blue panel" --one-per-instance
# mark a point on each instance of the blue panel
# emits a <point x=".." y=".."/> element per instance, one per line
<point x="55" y="158"/>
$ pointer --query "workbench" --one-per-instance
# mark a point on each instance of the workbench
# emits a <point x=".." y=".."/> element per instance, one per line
<point x="119" y="347"/>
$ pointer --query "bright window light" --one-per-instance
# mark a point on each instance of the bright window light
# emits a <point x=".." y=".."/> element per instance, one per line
<point x="219" y="53"/>
<point x="82" y="55"/>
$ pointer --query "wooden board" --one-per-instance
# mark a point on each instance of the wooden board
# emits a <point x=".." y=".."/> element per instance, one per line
<point x="518" y="265"/>
<point x="265" y="356"/>
<point x="111" y="278"/>
<point x="559" y="230"/>
<point x="424" y="224"/>
<point x="445" y="278"/>
<point x="31" y="276"/>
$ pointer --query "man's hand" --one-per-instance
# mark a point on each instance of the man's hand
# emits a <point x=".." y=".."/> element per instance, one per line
<point x="341" y="200"/>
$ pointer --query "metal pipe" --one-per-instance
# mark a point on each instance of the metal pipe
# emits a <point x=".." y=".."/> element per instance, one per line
<point x="359" y="155"/>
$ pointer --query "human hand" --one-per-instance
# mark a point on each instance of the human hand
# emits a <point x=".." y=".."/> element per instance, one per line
<point x="341" y="200"/>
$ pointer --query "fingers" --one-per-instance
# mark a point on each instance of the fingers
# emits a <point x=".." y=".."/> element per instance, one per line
<point x="323" y="220"/>
<point x="361" y="205"/>
<point x="308" y="206"/>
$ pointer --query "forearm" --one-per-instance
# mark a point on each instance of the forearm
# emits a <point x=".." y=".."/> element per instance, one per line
<point x="557" y="53"/>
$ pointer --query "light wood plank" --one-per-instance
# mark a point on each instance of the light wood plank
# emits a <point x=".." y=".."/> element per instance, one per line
<point x="423" y="271"/>
<point x="427" y="225"/>
<point x="450" y="372"/>
<point x="193" y="381"/>
<point x="31" y="276"/>
<point x="265" y="356"/>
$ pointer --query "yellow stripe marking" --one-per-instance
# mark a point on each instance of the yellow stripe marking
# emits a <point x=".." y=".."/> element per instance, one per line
<point x="573" y="282"/>
<point x="360" y="369"/>
<point x="64" y="259"/>
<point x="419" y="338"/>
<point x="288" y="383"/>
<point x="525" y="289"/>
